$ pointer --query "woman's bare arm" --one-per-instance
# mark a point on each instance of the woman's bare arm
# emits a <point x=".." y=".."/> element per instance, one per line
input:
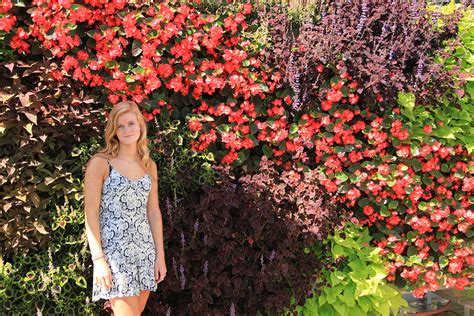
<point x="93" y="180"/>
<point x="154" y="214"/>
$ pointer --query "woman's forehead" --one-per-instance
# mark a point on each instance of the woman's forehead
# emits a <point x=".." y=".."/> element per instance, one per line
<point x="126" y="117"/>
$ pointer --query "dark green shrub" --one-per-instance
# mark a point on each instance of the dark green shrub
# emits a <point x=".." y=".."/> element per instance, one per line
<point x="41" y="122"/>
<point x="54" y="278"/>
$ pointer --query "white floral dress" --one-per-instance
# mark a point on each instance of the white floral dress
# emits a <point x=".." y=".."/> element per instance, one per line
<point x="126" y="236"/>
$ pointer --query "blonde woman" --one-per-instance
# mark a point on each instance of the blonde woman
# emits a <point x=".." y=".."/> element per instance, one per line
<point x="123" y="221"/>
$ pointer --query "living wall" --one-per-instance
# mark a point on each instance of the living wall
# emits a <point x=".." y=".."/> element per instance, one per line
<point x="347" y="113"/>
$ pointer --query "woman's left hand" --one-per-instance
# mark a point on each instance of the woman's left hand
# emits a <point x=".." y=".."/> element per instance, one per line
<point x="160" y="269"/>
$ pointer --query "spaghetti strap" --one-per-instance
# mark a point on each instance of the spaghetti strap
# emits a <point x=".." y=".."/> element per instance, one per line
<point x="110" y="164"/>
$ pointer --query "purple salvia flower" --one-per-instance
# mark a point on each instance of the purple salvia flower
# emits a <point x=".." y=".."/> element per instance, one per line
<point x="419" y="69"/>
<point x="294" y="77"/>
<point x="393" y="28"/>
<point x="205" y="268"/>
<point x="414" y="11"/>
<point x="196" y="226"/>
<point x="183" y="240"/>
<point x="363" y="17"/>
<point x="390" y="55"/>
<point x="272" y="255"/>
<point x="168" y="208"/>
<point x="232" y="309"/>
<point x="183" y="278"/>
<point x="175" y="268"/>
<point x="384" y="30"/>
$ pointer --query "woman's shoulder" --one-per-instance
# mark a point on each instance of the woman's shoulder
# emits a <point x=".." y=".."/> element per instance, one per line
<point x="152" y="167"/>
<point x="98" y="163"/>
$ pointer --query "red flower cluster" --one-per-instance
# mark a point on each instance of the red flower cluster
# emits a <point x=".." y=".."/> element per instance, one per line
<point x="162" y="54"/>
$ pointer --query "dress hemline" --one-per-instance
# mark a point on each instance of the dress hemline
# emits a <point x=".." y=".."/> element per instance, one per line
<point x="132" y="293"/>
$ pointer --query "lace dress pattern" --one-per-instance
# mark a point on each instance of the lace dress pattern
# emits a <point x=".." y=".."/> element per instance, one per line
<point x="126" y="237"/>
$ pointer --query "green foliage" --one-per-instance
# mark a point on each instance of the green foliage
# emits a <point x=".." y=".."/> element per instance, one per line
<point x="357" y="285"/>
<point x="452" y="118"/>
<point x="53" y="280"/>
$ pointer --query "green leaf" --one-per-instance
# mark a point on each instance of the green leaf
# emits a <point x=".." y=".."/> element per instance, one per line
<point x="267" y="151"/>
<point x="422" y="206"/>
<point x="357" y="265"/>
<point x="412" y="251"/>
<point x="337" y="251"/>
<point x="416" y="164"/>
<point x="29" y="128"/>
<point x="406" y="100"/>
<point x="341" y="176"/>
<point x="223" y="128"/>
<point x="341" y="309"/>
<point x="393" y="204"/>
<point x="18" y="3"/>
<point x="434" y="245"/>
<point x="415" y="149"/>
<point x="110" y="64"/>
<point x="363" y="202"/>
<point x="264" y="87"/>
<point x="384" y="211"/>
<point x="70" y="26"/>
<point x="427" y="181"/>
<point x="293" y="128"/>
<point x="443" y="261"/>
<point x="414" y="259"/>
<point x="365" y="303"/>
<point x="136" y="48"/>
<point x="445" y="168"/>
<point x="81" y="281"/>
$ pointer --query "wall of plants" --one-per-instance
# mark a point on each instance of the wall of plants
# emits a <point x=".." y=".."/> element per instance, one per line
<point x="315" y="160"/>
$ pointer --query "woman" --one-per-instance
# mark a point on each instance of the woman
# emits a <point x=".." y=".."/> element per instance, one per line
<point x="123" y="220"/>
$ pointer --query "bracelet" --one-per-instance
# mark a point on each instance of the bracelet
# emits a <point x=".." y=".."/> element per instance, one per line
<point x="98" y="255"/>
<point x="97" y="258"/>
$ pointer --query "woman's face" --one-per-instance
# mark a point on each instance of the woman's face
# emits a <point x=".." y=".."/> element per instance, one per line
<point x="128" y="129"/>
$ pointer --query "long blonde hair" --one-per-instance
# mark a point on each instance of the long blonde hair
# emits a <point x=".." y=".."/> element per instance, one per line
<point x="111" y="148"/>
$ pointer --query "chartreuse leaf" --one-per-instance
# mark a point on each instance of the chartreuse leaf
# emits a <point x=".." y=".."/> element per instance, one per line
<point x="382" y="307"/>
<point x="348" y="298"/>
<point x="337" y="251"/>
<point x="341" y="309"/>
<point x="358" y="282"/>
<point x="365" y="287"/>
<point x="406" y="100"/>
<point x="357" y="265"/>
<point x="327" y="310"/>
<point x="378" y="273"/>
<point x="365" y="303"/>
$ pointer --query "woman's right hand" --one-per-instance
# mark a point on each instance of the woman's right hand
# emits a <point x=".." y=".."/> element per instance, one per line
<point x="102" y="275"/>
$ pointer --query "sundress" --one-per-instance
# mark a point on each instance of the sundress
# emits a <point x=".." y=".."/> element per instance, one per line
<point x="127" y="240"/>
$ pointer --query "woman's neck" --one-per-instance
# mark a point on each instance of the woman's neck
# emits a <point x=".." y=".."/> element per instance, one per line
<point x="128" y="152"/>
